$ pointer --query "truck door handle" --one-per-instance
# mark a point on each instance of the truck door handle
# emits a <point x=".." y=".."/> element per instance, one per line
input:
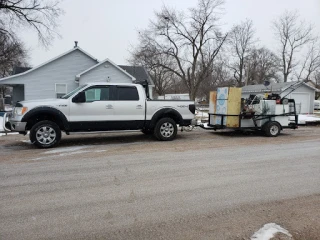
<point x="109" y="106"/>
<point x="139" y="107"/>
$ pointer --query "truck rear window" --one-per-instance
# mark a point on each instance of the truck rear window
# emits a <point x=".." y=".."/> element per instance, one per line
<point x="128" y="94"/>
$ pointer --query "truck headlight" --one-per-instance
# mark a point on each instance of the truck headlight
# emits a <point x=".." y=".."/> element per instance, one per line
<point x="20" y="110"/>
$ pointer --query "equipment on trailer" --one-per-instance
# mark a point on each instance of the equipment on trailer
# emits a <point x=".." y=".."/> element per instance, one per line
<point x="268" y="113"/>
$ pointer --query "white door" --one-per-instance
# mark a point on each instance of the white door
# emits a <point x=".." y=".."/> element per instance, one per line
<point x="129" y="108"/>
<point x="302" y="102"/>
<point x="95" y="112"/>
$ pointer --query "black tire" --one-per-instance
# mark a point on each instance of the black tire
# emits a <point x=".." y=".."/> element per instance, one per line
<point x="45" y="134"/>
<point x="166" y="129"/>
<point x="147" y="131"/>
<point x="272" y="129"/>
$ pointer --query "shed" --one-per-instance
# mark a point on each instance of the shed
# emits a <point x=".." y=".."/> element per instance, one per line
<point x="303" y="94"/>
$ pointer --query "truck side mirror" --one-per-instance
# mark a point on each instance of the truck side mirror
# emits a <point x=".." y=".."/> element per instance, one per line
<point x="79" y="98"/>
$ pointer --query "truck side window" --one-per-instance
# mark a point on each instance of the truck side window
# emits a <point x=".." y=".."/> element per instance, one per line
<point x="97" y="94"/>
<point x="127" y="93"/>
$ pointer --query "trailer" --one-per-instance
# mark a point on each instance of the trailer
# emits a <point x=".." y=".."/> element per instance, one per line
<point x="267" y="113"/>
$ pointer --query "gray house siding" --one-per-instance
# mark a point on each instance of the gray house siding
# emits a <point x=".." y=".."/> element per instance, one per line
<point x="18" y="93"/>
<point x="40" y="83"/>
<point x="65" y="73"/>
<point x="105" y="73"/>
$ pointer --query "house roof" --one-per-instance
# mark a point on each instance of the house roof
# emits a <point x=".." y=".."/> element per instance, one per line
<point x="275" y="87"/>
<point x="41" y="65"/>
<point x="17" y="70"/>
<point x="102" y="62"/>
<point x="139" y="72"/>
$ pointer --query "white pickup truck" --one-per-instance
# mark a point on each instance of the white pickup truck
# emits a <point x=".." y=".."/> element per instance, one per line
<point x="98" y="107"/>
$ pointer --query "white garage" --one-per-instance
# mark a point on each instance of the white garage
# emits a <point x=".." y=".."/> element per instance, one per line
<point x="302" y="93"/>
<point x="302" y="100"/>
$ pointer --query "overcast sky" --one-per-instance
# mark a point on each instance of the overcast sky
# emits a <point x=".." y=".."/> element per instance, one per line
<point x="108" y="29"/>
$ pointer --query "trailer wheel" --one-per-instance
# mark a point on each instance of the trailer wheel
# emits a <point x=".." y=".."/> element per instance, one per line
<point x="272" y="129"/>
<point x="166" y="129"/>
<point x="45" y="134"/>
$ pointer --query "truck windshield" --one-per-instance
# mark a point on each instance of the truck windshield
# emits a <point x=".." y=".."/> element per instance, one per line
<point x="74" y="91"/>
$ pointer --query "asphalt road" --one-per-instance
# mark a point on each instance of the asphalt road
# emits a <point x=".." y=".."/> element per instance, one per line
<point x="132" y="187"/>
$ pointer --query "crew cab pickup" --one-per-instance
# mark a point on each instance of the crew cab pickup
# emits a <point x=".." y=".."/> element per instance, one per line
<point x="99" y="107"/>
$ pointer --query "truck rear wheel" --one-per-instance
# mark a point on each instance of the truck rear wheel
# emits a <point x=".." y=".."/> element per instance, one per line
<point x="166" y="129"/>
<point x="272" y="129"/>
<point x="45" y="134"/>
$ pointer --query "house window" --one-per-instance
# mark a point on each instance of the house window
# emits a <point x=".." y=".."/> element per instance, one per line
<point x="61" y="89"/>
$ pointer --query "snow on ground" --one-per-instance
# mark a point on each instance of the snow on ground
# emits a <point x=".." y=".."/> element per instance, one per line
<point x="1" y="126"/>
<point x="7" y="108"/>
<point x="66" y="150"/>
<point x="268" y="231"/>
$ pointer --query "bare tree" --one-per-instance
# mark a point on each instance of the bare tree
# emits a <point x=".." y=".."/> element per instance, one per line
<point x="317" y="82"/>
<point x="148" y="57"/>
<point x="220" y="77"/>
<point x="262" y="65"/>
<point x="292" y="34"/>
<point x="38" y="15"/>
<point x="12" y="53"/>
<point x="311" y="63"/>
<point x="190" y="43"/>
<point x="241" y="41"/>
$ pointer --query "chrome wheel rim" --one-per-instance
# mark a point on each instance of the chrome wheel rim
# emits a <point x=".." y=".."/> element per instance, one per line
<point x="46" y="135"/>
<point x="167" y="129"/>
<point x="274" y="130"/>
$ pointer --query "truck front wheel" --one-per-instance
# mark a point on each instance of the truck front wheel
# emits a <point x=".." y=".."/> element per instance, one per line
<point x="166" y="129"/>
<point x="45" y="134"/>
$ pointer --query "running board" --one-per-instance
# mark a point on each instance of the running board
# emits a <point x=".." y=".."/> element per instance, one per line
<point x="97" y="132"/>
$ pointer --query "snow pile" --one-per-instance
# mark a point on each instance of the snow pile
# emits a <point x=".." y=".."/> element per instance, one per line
<point x="2" y="129"/>
<point x="304" y="119"/>
<point x="268" y="231"/>
<point x="1" y="123"/>
<point x="201" y="114"/>
<point x="1" y="126"/>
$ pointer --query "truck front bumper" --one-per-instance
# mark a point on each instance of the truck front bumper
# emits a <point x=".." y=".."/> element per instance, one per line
<point x="18" y="126"/>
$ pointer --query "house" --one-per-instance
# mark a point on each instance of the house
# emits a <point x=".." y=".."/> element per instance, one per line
<point x="66" y="72"/>
<point x="303" y="94"/>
